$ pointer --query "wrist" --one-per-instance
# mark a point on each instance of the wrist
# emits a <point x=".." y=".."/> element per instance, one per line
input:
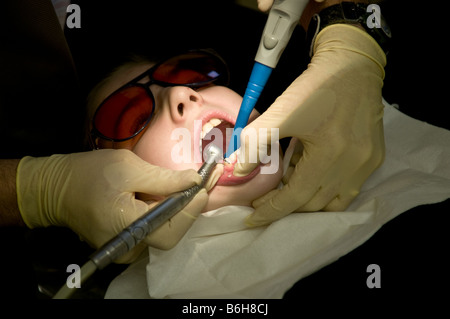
<point x="314" y="7"/>
<point x="9" y="210"/>
<point x="35" y="189"/>
<point x="355" y="15"/>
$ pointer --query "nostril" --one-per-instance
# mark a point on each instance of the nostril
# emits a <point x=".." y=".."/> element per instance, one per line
<point x="180" y="109"/>
<point x="193" y="98"/>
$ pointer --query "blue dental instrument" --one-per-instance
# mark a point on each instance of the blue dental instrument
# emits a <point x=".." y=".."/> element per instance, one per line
<point x="283" y="17"/>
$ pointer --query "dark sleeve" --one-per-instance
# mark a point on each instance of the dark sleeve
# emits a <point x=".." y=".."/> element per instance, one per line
<point x="40" y="109"/>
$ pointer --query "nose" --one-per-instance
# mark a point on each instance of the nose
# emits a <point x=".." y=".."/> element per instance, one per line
<point x="182" y="100"/>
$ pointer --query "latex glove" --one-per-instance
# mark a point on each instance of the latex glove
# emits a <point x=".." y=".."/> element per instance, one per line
<point x="93" y="193"/>
<point x="265" y="5"/>
<point x="335" y="110"/>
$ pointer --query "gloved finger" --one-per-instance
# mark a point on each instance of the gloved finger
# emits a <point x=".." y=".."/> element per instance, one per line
<point x="264" y="213"/>
<point x="328" y="190"/>
<point x="267" y="210"/>
<point x="138" y="175"/>
<point x="214" y="176"/>
<point x="126" y="210"/>
<point x="353" y="183"/>
<point x="340" y="203"/>
<point x="170" y="233"/>
<point x="347" y="177"/>
<point x="162" y="181"/>
<point x="264" y="5"/>
<point x="245" y="164"/>
<point x="323" y="197"/>
<point x="294" y="153"/>
<point x="257" y="139"/>
<point x="303" y="185"/>
<point x="288" y="174"/>
<point x="273" y="206"/>
<point x="342" y="182"/>
<point x="332" y="198"/>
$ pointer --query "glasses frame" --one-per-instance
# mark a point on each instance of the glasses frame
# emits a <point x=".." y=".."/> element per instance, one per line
<point x="222" y="78"/>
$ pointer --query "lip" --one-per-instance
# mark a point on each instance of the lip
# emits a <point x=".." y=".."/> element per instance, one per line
<point x="227" y="178"/>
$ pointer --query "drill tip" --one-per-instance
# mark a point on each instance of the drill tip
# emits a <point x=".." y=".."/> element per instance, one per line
<point x="213" y="153"/>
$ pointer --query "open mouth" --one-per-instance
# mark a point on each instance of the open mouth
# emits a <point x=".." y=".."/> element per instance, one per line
<point x="218" y="129"/>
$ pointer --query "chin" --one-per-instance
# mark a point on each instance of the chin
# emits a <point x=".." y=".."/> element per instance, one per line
<point x="243" y="194"/>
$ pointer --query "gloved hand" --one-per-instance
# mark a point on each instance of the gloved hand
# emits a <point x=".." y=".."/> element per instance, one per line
<point x="265" y="5"/>
<point x="335" y="111"/>
<point x="93" y="193"/>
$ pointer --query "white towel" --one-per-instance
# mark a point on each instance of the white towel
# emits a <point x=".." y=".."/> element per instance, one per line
<point x="220" y="258"/>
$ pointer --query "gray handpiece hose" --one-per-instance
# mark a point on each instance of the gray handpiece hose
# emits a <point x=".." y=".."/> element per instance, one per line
<point x="139" y="229"/>
<point x="283" y="17"/>
<point x="155" y="217"/>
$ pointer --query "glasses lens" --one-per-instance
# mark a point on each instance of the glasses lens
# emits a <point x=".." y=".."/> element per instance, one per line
<point x="194" y="68"/>
<point x="124" y="114"/>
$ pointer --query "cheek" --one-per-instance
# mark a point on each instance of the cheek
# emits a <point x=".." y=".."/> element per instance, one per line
<point x="154" y="146"/>
<point x="222" y="98"/>
<point x="158" y="148"/>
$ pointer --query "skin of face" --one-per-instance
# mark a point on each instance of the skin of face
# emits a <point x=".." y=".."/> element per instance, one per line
<point x="183" y="108"/>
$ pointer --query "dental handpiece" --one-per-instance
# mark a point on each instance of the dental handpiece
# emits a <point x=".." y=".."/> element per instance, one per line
<point x="151" y="220"/>
<point x="283" y="17"/>
<point x="156" y="216"/>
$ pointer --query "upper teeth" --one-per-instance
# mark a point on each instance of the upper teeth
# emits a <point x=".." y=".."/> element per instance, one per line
<point x="208" y="126"/>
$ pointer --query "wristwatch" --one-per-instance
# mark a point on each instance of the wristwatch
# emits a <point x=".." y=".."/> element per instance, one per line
<point x="352" y="13"/>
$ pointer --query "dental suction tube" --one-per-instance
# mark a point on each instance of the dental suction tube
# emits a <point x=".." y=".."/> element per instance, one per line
<point x="283" y="17"/>
<point x="151" y="220"/>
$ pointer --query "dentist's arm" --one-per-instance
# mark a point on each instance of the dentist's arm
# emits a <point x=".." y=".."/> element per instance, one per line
<point x="335" y="111"/>
<point x="93" y="193"/>
<point x="9" y="211"/>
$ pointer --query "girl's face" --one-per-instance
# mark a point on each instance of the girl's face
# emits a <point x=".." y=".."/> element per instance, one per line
<point x="182" y="118"/>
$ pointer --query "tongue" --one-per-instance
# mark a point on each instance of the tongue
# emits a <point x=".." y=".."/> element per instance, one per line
<point x="218" y="136"/>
